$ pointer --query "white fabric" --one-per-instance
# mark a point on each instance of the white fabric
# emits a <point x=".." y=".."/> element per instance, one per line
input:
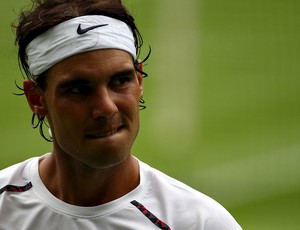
<point x="179" y="206"/>
<point x="63" y="41"/>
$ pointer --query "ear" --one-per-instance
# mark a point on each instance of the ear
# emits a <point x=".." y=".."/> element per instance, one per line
<point x="140" y="66"/>
<point x="34" y="96"/>
<point x="140" y="78"/>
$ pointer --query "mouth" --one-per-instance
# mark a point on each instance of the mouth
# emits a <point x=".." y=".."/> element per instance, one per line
<point x="103" y="133"/>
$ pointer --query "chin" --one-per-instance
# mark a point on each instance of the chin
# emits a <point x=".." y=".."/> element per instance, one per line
<point x="108" y="161"/>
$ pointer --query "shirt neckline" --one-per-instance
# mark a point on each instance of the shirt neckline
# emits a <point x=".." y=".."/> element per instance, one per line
<point x="85" y="212"/>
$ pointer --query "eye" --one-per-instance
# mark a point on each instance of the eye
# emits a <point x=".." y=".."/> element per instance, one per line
<point x="120" y="80"/>
<point x="79" y="89"/>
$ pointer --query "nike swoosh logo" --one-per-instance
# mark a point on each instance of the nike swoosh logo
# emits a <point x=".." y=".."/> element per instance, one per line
<point x="81" y="31"/>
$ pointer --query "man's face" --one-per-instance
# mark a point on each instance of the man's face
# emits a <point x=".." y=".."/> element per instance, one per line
<point x="92" y="104"/>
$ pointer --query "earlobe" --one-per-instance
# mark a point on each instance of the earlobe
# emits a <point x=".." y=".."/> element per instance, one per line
<point x="34" y="95"/>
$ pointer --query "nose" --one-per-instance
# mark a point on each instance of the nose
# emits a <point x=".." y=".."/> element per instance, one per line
<point x="103" y="104"/>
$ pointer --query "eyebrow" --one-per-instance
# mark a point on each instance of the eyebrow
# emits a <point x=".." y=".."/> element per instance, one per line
<point x="70" y="83"/>
<point x="82" y="81"/>
<point x="124" y="72"/>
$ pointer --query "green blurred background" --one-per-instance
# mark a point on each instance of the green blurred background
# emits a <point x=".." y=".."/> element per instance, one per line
<point x="223" y="97"/>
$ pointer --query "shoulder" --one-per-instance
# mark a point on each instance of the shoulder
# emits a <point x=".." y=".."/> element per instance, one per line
<point x="190" y="207"/>
<point x="17" y="174"/>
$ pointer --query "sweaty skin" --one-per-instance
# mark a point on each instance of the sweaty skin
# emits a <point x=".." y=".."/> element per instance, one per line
<point x="91" y="101"/>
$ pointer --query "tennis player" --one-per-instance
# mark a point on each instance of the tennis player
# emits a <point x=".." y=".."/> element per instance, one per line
<point x="85" y="83"/>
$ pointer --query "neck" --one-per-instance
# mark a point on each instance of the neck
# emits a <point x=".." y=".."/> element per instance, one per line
<point x="84" y="186"/>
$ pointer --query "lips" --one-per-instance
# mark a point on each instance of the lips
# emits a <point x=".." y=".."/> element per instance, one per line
<point x="100" y="133"/>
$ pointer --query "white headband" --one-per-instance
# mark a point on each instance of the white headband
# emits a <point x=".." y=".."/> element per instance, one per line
<point x="76" y="36"/>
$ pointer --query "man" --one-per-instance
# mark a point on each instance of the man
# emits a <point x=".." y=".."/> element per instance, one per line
<point x="84" y="79"/>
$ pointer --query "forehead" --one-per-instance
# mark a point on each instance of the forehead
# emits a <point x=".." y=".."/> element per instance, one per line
<point x="103" y="62"/>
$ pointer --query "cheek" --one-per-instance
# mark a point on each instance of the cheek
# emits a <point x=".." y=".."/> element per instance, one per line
<point x="66" y="117"/>
<point x="130" y="103"/>
<point x="129" y="111"/>
<point x="128" y="100"/>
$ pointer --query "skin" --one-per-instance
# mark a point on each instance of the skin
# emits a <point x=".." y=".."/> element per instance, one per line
<point x="91" y="102"/>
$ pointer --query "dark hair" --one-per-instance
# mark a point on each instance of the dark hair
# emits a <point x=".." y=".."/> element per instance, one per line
<point x="45" y="14"/>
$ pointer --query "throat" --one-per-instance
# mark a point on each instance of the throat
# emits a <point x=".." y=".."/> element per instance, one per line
<point x="79" y="188"/>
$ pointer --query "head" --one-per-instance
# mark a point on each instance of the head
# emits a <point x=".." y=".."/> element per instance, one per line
<point x="46" y="14"/>
<point x="90" y="98"/>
